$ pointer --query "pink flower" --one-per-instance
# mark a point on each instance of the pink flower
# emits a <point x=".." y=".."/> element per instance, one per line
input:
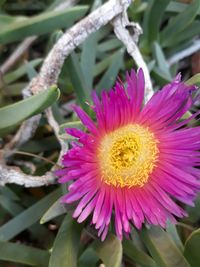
<point x="137" y="160"/>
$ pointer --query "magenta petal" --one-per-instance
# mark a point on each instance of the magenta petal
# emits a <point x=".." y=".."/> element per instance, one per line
<point x="174" y="176"/>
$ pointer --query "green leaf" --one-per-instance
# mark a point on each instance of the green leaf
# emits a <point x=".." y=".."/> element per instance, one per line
<point x="176" y="7"/>
<point x="88" y="258"/>
<point x="162" y="248"/>
<point x="191" y="250"/>
<point x="153" y="17"/>
<point x="41" y="24"/>
<point x="21" y="71"/>
<point x="194" y="79"/>
<point x="172" y="231"/>
<point x="65" y="247"/>
<point x="28" y="217"/>
<point x="15" y="113"/>
<point x="71" y="124"/>
<point x="7" y="192"/>
<point x="180" y="22"/>
<point x="109" y="45"/>
<point x="6" y="20"/>
<point x="31" y="72"/>
<point x="185" y="36"/>
<point x="193" y="212"/>
<point x="78" y="79"/>
<point x="9" y="205"/>
<point x="109" y="251"/>
<point x="23" y="254"/>
<point x="161" y="60"/>
<point x="104" y="64"/>
<point x="14" y="89"/>
<point x="88" y="57"/>
<point x="110" y="75"/>
<point x="159" y="76"/>
<point x="136" y="255"/>
<point x="55" y="210"/>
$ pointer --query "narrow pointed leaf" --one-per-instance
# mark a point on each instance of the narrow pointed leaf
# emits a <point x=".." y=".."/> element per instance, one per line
<point x="180" y="22"/>
<point x="136" y="255"/>
<point x="65" y="248"/>
<point x="162" y="248"/>
<point x="109" y="251"/>
<point x="15" y="113"/>
<point x="23" y="254"/>
<point x="191" y="250"/>
<point x="41" y="24"/>
<point x="153" y="18"/>
<point x="110" y="75"/>
<point x="78" y="79"/>
<point x="88" y="57"/>
<point x="54" y="211"/>
<point x="28" y="217"/>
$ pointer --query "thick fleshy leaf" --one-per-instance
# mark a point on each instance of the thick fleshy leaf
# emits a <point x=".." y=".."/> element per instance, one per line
<point x="41" y="24"/>
<point x="88" y="57"/>
<point x="88" y="258"/>
<point x="136" y="255"/>
<point x="23" y="254"/>
<point x="78" y="79"/>
<point x="65" y="248"/>
<point x="194" y="79"/>
<point x="161" y="60"/>
<point x="162" y="248"/>
<point x="28" y="217"/>
<point x="109" y="251"/>
<point x="10" y="206"/>
<point x="153" y="17"/>
<point x="54" y="211"/>
<point x="172" y="231"/>
<point x="180" y="22"/>
<point x="110" y="75"/>
<point x="191" y="250"/>
<point x="193" y="212"/>
<point x="14" y="114"/>
<point x="21" y="71"/>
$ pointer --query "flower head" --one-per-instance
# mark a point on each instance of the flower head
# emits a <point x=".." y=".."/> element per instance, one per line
<point x="136" y="160"/>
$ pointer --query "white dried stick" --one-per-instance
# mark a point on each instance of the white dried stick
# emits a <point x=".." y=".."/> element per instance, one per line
<point x="128" y="33"/>
<point x="9" y="175"/>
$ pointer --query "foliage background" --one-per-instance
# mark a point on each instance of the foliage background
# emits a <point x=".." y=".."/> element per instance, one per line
<point x="35" y="230"/>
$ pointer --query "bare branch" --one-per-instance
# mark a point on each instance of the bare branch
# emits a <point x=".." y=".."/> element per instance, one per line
<point x="9" y="175"/>
<point x="123" y="30"/>
<point x="25" y="132"/>
<point x="55" y="126"/>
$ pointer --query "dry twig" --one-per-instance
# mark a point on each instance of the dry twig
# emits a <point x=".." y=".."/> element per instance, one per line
<point x="128" y="33"/>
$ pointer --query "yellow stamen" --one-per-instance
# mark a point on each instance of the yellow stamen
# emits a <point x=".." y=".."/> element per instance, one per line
<point x="127" y="156"/>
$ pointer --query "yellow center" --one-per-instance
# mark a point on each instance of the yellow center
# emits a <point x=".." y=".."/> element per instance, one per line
<point x="127" y="156"/>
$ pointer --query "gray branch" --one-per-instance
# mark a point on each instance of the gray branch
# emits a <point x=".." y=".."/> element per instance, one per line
<point x="9" y="175"/>
<point x="128" y="33"/>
